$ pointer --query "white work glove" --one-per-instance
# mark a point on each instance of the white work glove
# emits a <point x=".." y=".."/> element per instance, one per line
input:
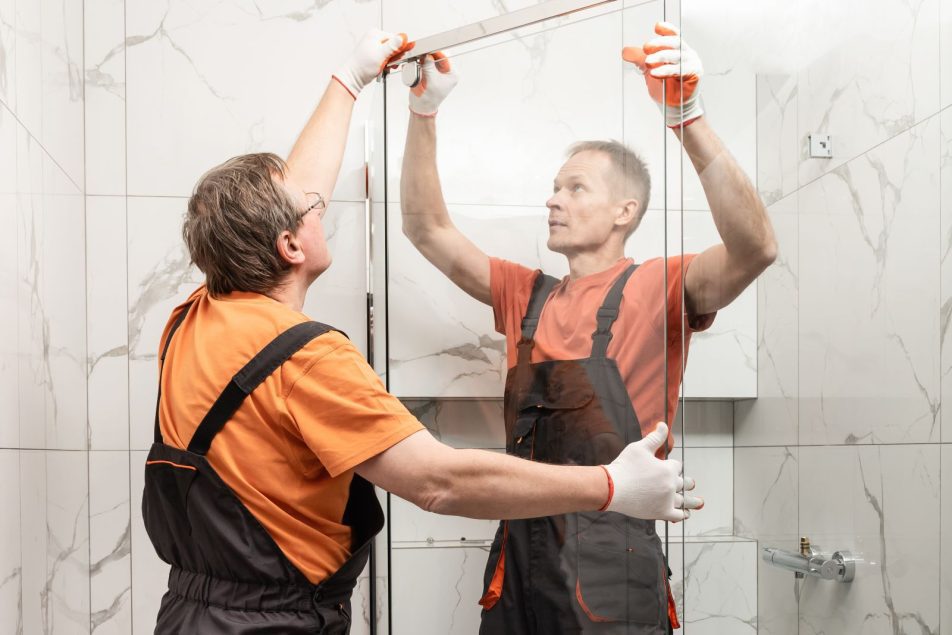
<point x="437" y="82"/>
<point x="643" y="486"/>
<point x="672" y="71"/>
<point x="374" y="51"/>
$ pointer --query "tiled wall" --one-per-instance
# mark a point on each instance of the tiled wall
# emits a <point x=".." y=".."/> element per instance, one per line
<point x="110" y="110"/>
<point x="44" y="528"/>
<point x="848" y="440"/>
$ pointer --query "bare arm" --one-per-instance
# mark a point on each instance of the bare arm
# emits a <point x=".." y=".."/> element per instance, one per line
<point x="426" y="221"/>
<point x="720" y="273"/>
<point x="315" y="159"/>
<point x="482" y="484"/>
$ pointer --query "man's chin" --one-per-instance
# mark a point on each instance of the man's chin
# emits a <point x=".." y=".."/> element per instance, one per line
<point x="555" y="245"/>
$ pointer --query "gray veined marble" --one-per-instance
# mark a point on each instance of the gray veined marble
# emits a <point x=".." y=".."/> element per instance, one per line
<point x="868" y="363"/>
<point x="945" y="265"/>
<point x="182" y="92"/>
<point x="882" y="504"/>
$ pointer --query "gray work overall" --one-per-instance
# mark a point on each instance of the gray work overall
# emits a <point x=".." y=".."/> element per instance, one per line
<point x="600" y="572"/>
<point x="228" y="575"/>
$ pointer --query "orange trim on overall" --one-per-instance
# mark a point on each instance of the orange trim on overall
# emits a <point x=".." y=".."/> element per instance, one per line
<point x="581" y="602"/>
<point x="184" y="467"/>
<point x="494" y="592"/>
<point x="611" y="489"/>
<point x="672" y="609"/>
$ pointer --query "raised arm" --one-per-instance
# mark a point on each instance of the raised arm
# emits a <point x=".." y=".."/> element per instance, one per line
<point x="315" y="159"/>
<point x="426" y="221"/>
<point x="720" y="273"/>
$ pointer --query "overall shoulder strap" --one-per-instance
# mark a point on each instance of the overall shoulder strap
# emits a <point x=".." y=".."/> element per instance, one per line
<point x="278" y="351"/>
<point x="541" y="289"/>
<point x="608" y="313"/>
<point x="165" y="350"/>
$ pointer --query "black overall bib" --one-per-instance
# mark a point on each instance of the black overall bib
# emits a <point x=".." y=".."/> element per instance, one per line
<point x="598" y="572"/>
<point x="228" y="575"/>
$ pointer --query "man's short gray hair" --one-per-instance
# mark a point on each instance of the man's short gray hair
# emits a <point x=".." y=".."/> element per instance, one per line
<point x="630" y="168"/>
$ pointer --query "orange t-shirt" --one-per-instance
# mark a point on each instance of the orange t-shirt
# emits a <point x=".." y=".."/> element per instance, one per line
<point x="639" y="344"/>
<point x="289" y="451"/>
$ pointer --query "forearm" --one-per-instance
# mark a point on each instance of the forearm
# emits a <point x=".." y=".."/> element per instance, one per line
<point x="315" y="159"/>
<point x="483" y="484"/>
<point x="738" y="212"/>
<point x="421" y="197"/>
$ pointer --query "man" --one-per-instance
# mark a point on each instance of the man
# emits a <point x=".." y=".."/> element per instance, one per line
<point x="587" y="355"/>
<point x="270" y="428"/>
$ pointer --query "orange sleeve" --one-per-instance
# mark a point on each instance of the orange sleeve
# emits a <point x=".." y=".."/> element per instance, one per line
<point x="677" y="313"/>
<point x="344" y="413"/>
<point x="511" y="285"/>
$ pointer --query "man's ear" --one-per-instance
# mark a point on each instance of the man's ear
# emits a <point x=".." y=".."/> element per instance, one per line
<point x="630" y="213"/>
<point x="289" y="248"/>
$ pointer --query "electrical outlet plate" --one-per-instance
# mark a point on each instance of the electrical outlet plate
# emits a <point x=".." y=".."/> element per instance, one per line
<point x="821" y="146"/>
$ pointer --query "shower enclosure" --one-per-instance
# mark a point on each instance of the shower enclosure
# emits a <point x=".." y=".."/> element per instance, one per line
<point x="809" y="412"/>
<point x="534" y="81"/>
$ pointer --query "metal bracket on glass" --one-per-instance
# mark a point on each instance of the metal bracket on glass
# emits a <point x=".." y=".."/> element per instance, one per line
<point x="841" y="566"/>
<point x="494" y="26"/>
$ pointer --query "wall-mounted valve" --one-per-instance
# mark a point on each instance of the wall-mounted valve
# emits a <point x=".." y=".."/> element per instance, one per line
<point x="841" y="566"/>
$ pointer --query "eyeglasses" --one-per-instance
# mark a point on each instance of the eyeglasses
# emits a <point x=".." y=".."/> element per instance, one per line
<point x="314" y="200"/>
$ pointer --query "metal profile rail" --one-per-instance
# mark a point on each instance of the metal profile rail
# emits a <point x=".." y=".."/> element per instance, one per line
<point x="500" y="24"/>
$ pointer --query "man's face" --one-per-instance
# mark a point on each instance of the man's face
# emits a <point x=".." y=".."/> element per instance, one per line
<point x="310" y="232"/>
<point x="583" y="203"/>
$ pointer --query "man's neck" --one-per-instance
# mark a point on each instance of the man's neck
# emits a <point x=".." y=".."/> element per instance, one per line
<point x="291" y="294"/>
<point x="585" y="264"/>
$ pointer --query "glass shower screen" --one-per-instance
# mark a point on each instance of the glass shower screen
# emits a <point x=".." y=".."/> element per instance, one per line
<point x="524" y="97"/>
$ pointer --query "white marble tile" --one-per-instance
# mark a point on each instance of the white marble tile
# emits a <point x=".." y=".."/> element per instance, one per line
<point x="107" y="325"/>
<point x="945" y="267"/>
<point x="208" y="82"/>
<point x="149" y="574"/>
<point x="888" y="38"/>
<point x="543" y="112"/>
<point x="945" y="62"/>
<point x="722" y="361"/>
<point x="11" y="593"/>
<point x="765" y="491"/>
<point x="160" y="278"/>
<point x="706" y="424"/>
<point x="945" y="539"/>
<point x="51" y="303"/>
<point x="360" y="605"/>
<point x="713" y="471"/>
<point x="105" y="96"/>
<point x="9" y="276"/>
<point x="54" y="537"/>
<point x="718" y="594"/>
<point x="49" y="53"/>
<point x="882" y="504"/>
<point x="437" y="589"/>
<point x="771" y="418"/>
<point x="765" y="509"/>
<point x="463" y="423"/>
<point x="339" y="296"/>
<point x="868" y="318"/>
<point x="778" y="150"/>
<point x="110" y="543"/>
<point x="443" y="343"/>
<point x="8" y="53"/>
<point x="410" y="524"/>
